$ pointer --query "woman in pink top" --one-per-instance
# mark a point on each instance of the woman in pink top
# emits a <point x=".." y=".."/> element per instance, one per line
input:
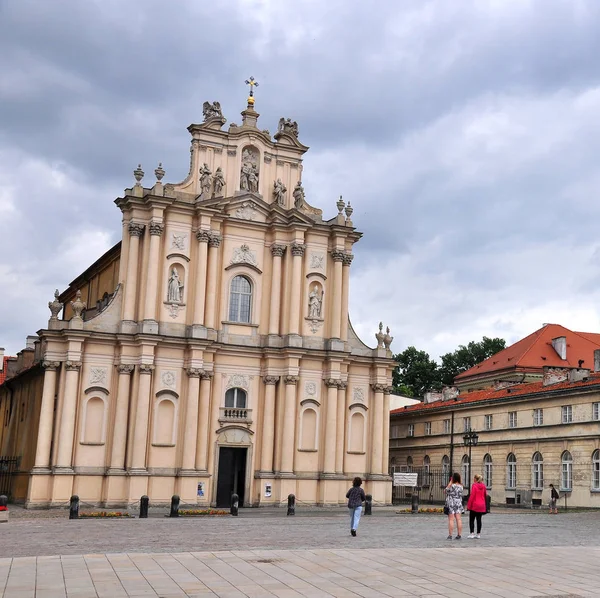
<point x="476" y="505"/>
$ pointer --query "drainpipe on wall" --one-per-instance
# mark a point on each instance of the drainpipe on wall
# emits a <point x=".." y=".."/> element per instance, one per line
<point x="451" y="443"/>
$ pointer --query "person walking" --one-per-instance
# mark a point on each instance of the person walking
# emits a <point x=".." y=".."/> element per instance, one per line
<point x="553" y="498"/>
<point x="477" y="506"/>
<point x="356" y="497"/>
<point x="454" y="507"/>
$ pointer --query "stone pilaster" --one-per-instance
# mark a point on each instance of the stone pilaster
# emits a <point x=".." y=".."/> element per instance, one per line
<point x="213" y="259"/>
<point x="150" y="325"/>
<point x="135" y="233"/>
<point x="140" y="433"/>
<point x="336" y="308"/>
<point x="340" y="437"/>
<point x="330" y="426"/>
<point x="203" y="237"/>
<point x="190" y="432"/>
<point x="377" y="431"/>
<point x="268" y="424"/>
<point x="277" y="252"/>
<point x="66" y="431"/>
<point x="346" y="261"/>
<point x="117" y="457"/>
<point x="297" y="250"/>
<point x="44" y="439"/>
<point x="386" y="428"/>
<point x="289" y="425"/>
<point x="203" y="422"/>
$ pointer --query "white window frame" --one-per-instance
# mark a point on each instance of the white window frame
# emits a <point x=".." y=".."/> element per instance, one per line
<point x="235" y="301"/>
<point x="538" y="417"/>
<point x="411" y="430"/>
<point x="445" y="468"/>
<point x="566" y="414"/>
<point x="511" y="472"/>
<point x="466" y="424"/>
<point x="409" y="464"/>
<point x="596" y="470"/>
<point x="236" y="396"/>
<point x="426" y="470"/>
<point x="596" y="411"/>
<point x="512" y="419"/>
<point x="566" y="471"/>
<point x="488" y="421"/>
<point x="446" y="426"/>
<point x="537" y="471"/>
<point x="488" y="465"/>
<point x="464" y="469"/>
<point x="427" y="428"/>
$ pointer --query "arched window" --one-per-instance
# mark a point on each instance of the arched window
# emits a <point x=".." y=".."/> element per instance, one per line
<point x="537" y="472"/>
<point x="596" y="470"/>
<point x="445" y="469"/>
<point x="240" y="300"/>
<point x="511" y="471"/>
<point x="487" y="470"/>
<point x="235" y="398"/>
<point x="566" y="478"/>
<point x="409" y="463"/>
<point x="464" y="469"/>
<point x="426" y="470"/>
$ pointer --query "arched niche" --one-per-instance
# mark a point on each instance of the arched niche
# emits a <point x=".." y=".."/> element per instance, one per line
<point x="176" y="277"/>
<point x="309" y="428"/>
<point x="357" y="425"/>
<point x="164" y="428"/>
<point x="93" y="427"/>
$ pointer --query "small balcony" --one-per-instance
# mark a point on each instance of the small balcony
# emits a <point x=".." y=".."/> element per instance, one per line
<point x="235" y="414"/>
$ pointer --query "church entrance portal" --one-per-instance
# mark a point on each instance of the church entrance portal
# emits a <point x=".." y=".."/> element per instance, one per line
<point x="232" y="475"/>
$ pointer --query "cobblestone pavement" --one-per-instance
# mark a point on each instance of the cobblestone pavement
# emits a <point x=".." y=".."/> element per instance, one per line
<point x="264" y="553"/>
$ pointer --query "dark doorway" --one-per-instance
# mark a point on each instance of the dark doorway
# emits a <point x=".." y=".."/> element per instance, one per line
<point x="232" y="475"/>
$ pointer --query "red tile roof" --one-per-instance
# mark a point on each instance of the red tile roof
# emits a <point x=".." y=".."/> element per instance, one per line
<point x="531" y="388"/>
<point x="3" y="371"/>
<point x="535" y="351"/>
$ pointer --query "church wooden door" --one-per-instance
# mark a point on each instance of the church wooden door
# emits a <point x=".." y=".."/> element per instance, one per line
<point x="231" y="476"/>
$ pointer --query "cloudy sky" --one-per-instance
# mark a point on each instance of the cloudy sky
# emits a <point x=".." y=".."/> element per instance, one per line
<point x="466" y="134"/>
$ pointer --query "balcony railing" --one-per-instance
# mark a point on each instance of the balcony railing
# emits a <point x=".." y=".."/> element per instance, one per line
<point x="235" y="414"/>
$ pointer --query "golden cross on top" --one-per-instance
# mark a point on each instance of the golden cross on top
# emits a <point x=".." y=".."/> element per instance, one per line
<point x="252" y="83"/>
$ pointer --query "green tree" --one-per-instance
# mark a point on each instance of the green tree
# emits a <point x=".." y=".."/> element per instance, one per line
<point x="465" y="358"/>
<point x="416" y="373"/>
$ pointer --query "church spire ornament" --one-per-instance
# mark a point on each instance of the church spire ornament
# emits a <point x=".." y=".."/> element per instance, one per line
<point x="252" y="83"/>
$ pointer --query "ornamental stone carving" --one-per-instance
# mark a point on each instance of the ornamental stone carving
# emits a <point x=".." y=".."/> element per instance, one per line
<point x="219" y="182"/>
<point x="203" y="236"/>
<point x="51" y="365"/>
<point x="298" y="195"/>
<point x="279" y="191"/>
<point x="72" y="366"/>
<point x="169" y="379"/>
<point x="135" y="229"/>
<point x="377" y="387"/>
<point x="287" y="126"/>
<point x="159" y="172"/>
<point x="359" y="395"/>
<point x="298" y="249"/>
<point x="179" y="241"/>
<point x="55" y="306"/>
<point x="138" y="173"/>
<point x="247" y="211"/>
<point x="342" y="385"/>
<point x="146" y="368"/>
<point x="212" y="110"/>
<point x="205" y="180"/>
<point x="98" y="376"/>
<point x="317" y="261"/>
<point x="291" y="380"/>
<point x="387" y="339"/>
<point x="238" y="381"/>
<point x="215" y="239"/>
<point x="337" y="255"/>
<point x="156" y="228"/>
<point x="206" y="375"/>
<point x="388" y="390"/>
<point x="193" y="372"/>
<point x="175" y="287"/>
<point x="331" y="382"/>
<point x="244" y="255"/>
<point x="270" y="380"/>
<point x="310" y="388"/>
<point x="78" y="306"/>
<point x="315" y="303"/>
<point x="173" y="309"/>
<point x="380" y="336"/>
<point x="277" y="250"/>
<point x="347" y="259"/>
<point x="125" y="368"/>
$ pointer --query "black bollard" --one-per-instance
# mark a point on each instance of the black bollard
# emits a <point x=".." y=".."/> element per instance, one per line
<point x="144" y="503"/>
<point x="174" y="506"/>
<point x="415" y="503"/>
<point x="74" y="507"/>
<point x="291" y="505"/>
<point x="235" y="504"/>
<point x="488" y="503"/>
<point x="3" y="500"/>
<point x="368" y="505"/>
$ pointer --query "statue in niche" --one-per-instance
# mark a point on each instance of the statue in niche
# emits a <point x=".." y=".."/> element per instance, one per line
<point x="205" y="180"/>
<point x="211" y="110"/>
<point x="219" y="182"/>
<point x="249" y="172"/>
<point x="279" y="191"/>
<point x="315" y="303"/>
<point x="175" y="290"/>
<point x="298" y="195"/>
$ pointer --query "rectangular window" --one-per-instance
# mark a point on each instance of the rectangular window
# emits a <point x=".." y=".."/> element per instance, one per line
<point x="466" y="424"/>
<point x="596" y="471"/>
<point x="411" y="429"/>
<point x="488" y="422"/>
<point x="566" y="478"/>
<point x="512" y="419"/>
<point x="538" y="417"/>
<point x="487" y="472"/>
<point x="511" y="475"/>
<point x="446" y="426"/>
<point x="427" y="428"/>
<point x="595" y="411"/>
<point x="567" y="414"/>
<point x="537" y="475"/>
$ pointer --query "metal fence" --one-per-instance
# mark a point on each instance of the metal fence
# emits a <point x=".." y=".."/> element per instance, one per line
<point x="8" y="467"/>
<point x="431" y="484"/>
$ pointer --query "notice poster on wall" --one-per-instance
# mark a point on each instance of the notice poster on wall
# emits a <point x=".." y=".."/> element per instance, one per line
<point x="267" y="490"/>
<point x="201" y="489"/>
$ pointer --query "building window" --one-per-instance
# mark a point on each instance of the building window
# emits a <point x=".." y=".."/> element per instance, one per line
<point x="445" y="469"/>
<point x="240" y="300"/>
<point x="596" y="470"/>
<point x="537" y="472"/>
<point x="511" y="472"/>
<point x="566" y="477"/>
<point x="567" y="414"/>
<point x="409" y="464"/>
<point x="487" y="470"/>
<point x="446" y="426"/>
<point x="427" y="428"/>
<point x="426" y="470"/>
<point x="512" y="419"/>
<point x="235" y="398"/>
<point x="538" y="417"/>
<point x="488" y="422"/>
<point x="595" y="411"/>
<point x="411" y="429"/>
<point x="466" y="424"/>
<point x="464" y="469"/>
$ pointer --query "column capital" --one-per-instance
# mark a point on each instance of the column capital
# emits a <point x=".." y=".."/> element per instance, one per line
<point x="125" y="368"/>
<point x="203" y="235"/>
<point x="277" y="250"/>
<point x="156" y="228"/>
<point x="291" y="380"/>
<point x="342" y="385"/>
<point x="347" y="259"/>
<point x="146" y="368"/>
<point x="72" y="366"/>
<point x="331" y="382"/>
<point x="298" y="249"/>
<point x="270" y="380"/>
<point x="51" y="365"/>
<point x="193" y="372"/>
<point x="388" y="390"/>
<point x="136" y="229"/>
<point x="337" y="255"/>
<point x="378" y="387"/>
<point x="206" y="375"/>
<point x="214" y="239"/>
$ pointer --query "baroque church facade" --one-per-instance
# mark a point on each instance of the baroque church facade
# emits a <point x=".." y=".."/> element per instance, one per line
<point x="210" y="351"/>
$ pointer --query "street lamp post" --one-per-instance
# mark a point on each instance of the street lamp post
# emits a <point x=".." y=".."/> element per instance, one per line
<point x="471" y="438"/>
